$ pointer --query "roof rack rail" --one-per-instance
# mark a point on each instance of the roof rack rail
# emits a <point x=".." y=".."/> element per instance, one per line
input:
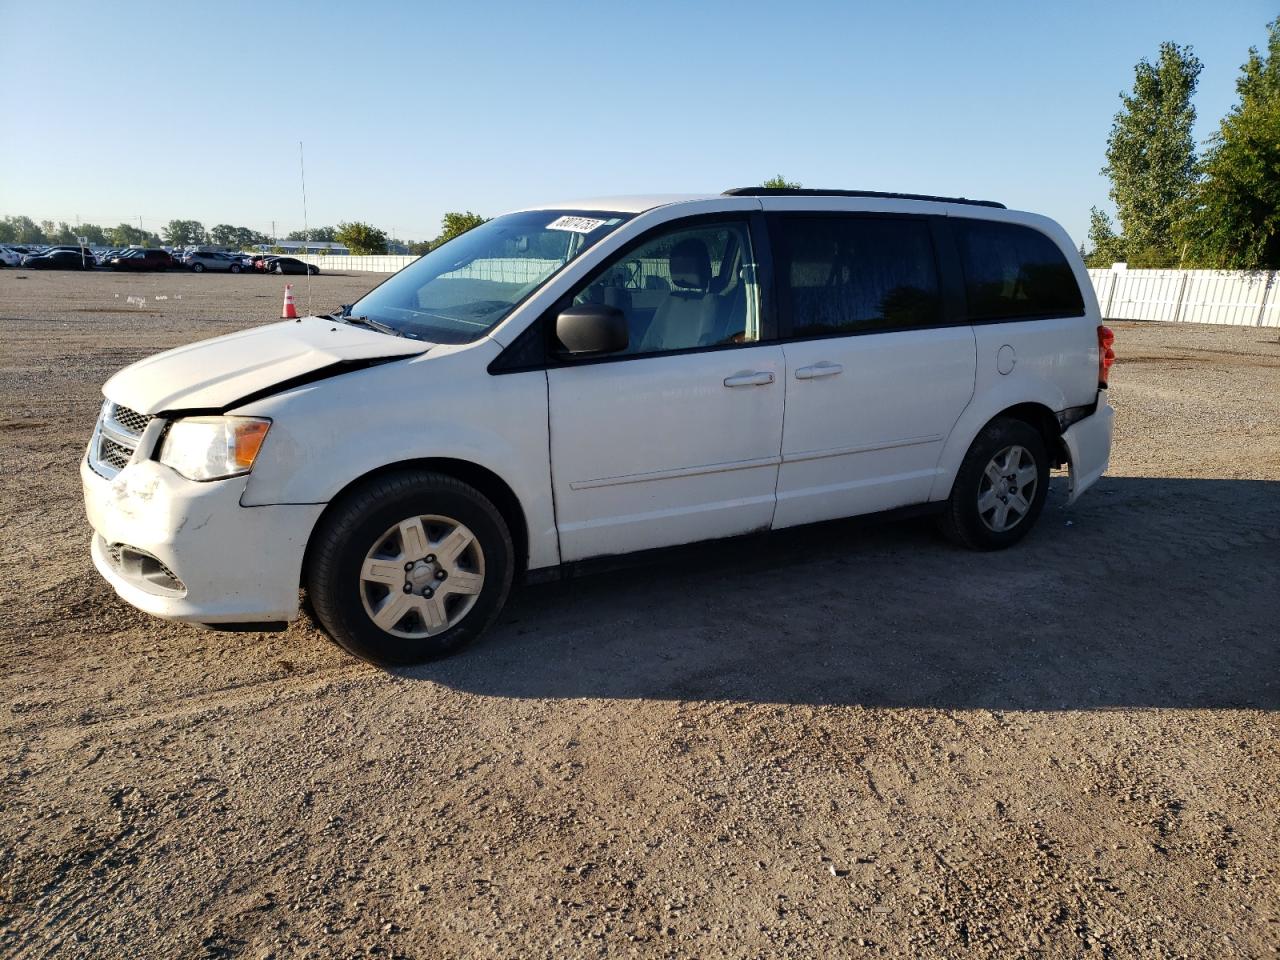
<point x="807" y="192"/>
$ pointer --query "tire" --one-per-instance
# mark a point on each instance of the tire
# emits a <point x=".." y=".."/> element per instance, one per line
<point x="312" y="271"/>
<point x="358" y="568"/>
<point x="983" y="513"/>
<point x="235" y="268"/>
<point x="278" y="270"/>
<point x="197" y="268"/>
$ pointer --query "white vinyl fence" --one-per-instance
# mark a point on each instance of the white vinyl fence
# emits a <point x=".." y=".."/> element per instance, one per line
<point x="348" y="264"/>
<point x="1239" y="298"/>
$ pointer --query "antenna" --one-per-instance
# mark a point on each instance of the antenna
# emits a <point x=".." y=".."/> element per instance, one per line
<point x="306" y="232"/>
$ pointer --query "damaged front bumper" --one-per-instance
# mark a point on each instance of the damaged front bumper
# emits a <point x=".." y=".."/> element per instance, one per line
<point x="189" y="551"/>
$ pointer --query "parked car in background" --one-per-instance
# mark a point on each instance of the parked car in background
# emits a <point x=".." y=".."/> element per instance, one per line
<point x="60" y="260"/>
<point x="9" y="258"/>
<point x="141" y="260"/>
<point x="200" y="261"/>
<point x="291" y="265"/>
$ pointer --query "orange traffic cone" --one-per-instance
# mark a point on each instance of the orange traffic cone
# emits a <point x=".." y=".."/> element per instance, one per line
<point x="290" y="312"/>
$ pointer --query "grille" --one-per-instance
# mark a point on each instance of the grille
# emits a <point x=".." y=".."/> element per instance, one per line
<point x="113" y="454"/>
<point x="117" y="436"/>
<point x="131" y="420"/>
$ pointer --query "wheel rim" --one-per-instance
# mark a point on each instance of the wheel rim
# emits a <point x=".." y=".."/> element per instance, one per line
<point x="1008" y="488"/>
<point x="422" y="576"/>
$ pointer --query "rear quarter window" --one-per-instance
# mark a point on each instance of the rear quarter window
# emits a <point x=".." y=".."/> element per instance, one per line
<point x="1013" y="272"/>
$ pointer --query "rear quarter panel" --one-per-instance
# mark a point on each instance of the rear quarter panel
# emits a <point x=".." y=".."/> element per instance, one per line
<point x="1054" y="360"/>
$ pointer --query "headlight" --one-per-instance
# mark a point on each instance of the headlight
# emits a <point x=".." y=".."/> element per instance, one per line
<point x="210" y="448"/>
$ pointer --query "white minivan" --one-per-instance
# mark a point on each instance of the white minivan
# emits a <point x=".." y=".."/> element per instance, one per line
<point x="599" y="378"/>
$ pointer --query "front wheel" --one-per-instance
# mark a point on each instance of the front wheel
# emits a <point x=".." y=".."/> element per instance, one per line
<point x="410" y="567"/>
<point x="235" y="268"/>
<point x="197" y="268"/>
<point x="1000" y="488"/>
<point x="312" y="270"/>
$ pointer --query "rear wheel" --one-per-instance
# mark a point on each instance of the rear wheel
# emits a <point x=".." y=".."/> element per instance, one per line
<point x="1000" y="488"/>
<point x="410" y="567"/>
<point x="197" y="268"/>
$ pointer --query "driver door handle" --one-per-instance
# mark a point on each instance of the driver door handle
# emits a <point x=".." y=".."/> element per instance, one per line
<point x="749" y="378"/>
<point x="823" y="369"/>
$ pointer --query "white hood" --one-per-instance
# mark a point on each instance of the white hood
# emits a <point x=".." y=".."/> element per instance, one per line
<point x="213" y="374"/>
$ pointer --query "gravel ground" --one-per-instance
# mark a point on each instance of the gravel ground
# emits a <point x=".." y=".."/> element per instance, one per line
<point x="882" y="747"/>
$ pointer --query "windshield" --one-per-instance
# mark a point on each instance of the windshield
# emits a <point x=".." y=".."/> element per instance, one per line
<point x="462" y="289"/>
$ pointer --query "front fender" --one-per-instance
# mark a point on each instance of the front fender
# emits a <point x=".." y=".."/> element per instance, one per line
<point x="326" y="435"/>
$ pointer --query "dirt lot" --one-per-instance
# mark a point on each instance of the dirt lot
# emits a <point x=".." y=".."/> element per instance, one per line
<point x="878" y="746"/>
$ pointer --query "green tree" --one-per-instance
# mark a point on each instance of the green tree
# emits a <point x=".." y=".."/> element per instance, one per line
<point x="780" y="182"/>
<point x="93" y="233"/>
<point x="318" y="234"/>
<point x="1105" y="245"/>
<point x="419" y="247"/>
<point x="185" y="233"/>
<point x="239" y="238"/>
<point x="1151" y="155"/>
<point x="361" y="238"/>
<point x="1235" y="223"/>
<point x="21" y="230"/>
<point x="126" y="235"/>
<point x="456" y="224"/>
<point x="64" y="234"/>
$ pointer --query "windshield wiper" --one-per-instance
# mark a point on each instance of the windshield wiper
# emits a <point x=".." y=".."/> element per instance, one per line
<point x="372" y="325"/>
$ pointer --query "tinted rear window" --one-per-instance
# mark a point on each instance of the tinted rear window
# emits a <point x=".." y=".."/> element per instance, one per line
<point x="1014" y="271"/>
<point x="843" y="275"/>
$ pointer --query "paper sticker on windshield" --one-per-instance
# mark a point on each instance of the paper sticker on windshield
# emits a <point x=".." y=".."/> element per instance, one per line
<point x="575" y="224"/>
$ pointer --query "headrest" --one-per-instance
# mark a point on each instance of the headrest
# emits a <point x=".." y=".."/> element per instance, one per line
<point x="690" y="265"/>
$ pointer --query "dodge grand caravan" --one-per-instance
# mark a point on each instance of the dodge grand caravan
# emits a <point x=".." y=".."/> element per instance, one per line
<point x="601" y="378"/>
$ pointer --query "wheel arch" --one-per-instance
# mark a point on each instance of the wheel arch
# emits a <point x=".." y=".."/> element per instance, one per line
<point x="497" y="490"/>
<point x="1045" y="422"/>
<point x="1035" y="413"/>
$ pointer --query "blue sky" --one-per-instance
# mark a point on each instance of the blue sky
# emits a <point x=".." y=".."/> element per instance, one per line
<point x="175" y="110"/>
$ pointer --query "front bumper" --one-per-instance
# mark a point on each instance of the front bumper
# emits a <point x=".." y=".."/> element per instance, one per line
<point x="1088" y="444"/>
<point x="233" y="564"/>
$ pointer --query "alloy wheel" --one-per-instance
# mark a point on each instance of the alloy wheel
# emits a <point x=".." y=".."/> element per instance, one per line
<point x="422" y="576"/>
<point x="1008" y="488"/>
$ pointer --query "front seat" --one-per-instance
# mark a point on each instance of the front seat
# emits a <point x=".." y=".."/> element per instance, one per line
<point x="687" y="315"/>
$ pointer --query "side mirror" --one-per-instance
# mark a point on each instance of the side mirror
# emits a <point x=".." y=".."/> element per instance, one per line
<point x="591" y="329"/>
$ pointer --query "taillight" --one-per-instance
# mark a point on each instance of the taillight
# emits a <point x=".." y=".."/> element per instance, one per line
<point x="1106" y="356"/>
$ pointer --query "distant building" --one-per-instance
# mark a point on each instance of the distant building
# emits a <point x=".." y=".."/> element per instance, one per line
<point x="305" y="246"/>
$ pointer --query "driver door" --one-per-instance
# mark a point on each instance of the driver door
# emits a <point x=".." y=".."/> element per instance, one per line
<point x="677" y="438"/>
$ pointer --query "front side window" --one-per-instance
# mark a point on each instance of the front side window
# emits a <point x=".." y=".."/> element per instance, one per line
<point x="1014" y="271"/>
<point x="462" y="289"/>
<point x="688" y="287"/>
<point x="845" y="275"/>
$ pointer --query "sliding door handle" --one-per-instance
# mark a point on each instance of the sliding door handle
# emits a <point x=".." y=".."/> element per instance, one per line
<point x="749" y="378"/>
<point x="823" y="369"/>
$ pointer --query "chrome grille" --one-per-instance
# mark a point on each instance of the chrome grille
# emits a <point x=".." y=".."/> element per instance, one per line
<point x="130" y="420"/>
<point x="115" y="455"/>
<point x="116" y="438"/>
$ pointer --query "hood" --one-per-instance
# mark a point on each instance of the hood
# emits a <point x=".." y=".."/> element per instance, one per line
<point x="215" y="374"/>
